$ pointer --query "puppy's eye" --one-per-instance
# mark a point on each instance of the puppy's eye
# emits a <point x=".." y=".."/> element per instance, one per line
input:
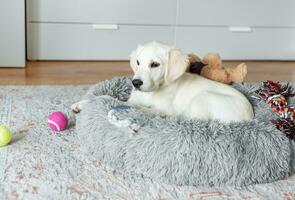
<point x="155" y="64"/>
<point x="137" y="62"/>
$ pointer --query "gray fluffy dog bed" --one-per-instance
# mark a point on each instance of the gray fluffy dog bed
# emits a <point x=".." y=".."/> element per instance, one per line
<point x="181" y="151"/>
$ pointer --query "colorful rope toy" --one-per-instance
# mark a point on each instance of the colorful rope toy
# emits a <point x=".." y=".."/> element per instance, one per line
<point x="277" y="97"/>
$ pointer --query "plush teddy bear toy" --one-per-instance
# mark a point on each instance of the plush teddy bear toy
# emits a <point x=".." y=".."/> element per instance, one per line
<point x="211" y="68"/>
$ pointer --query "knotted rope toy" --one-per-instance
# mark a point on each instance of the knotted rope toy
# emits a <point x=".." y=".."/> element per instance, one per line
<point x="276" y="95"/>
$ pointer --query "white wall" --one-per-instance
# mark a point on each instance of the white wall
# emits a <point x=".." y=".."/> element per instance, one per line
<point x="12" y="33"/>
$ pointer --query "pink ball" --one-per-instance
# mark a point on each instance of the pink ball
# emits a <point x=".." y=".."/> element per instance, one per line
<point x="57" y="121"/>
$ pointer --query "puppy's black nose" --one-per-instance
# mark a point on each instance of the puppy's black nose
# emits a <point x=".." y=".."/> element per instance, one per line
<point x="137" y="83"/>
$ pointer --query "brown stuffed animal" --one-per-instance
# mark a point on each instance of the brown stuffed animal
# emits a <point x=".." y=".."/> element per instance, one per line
<point x="211" y="68"/>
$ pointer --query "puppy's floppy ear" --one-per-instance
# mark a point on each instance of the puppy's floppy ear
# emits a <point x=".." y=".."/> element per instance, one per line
<point x="176" y="66"/>
<point x="133" y="56"/>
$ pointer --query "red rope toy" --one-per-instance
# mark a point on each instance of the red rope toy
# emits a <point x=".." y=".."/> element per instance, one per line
<point x="277" y="96"/>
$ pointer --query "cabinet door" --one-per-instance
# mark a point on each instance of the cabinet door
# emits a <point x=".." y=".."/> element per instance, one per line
<point x="49" y="41"/>
<point x="126" y="12"/>
<point x="262" y="13"/>
<point x="12" y="33"/>
<point x="260" y="44"/>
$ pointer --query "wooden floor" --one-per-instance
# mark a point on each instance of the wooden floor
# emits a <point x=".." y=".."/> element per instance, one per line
<point x="48" y="72"/>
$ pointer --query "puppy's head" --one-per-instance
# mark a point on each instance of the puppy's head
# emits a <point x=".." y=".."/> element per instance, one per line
<point x="155" y="65"/>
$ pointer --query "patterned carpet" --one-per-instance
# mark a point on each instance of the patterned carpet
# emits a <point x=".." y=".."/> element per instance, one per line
<point x="39" y="164"/>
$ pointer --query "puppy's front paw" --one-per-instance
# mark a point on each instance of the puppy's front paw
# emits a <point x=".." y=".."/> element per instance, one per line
<point x="77" y="107"/>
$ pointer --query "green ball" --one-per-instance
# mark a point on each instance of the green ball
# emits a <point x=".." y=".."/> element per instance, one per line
<point x="5" y="136"/>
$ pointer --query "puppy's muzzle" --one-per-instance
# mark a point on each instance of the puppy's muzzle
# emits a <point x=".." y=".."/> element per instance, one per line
<point x="137" y="83"/>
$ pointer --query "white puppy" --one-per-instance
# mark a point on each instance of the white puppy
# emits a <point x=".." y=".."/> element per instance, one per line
<point x="161" y="84"/>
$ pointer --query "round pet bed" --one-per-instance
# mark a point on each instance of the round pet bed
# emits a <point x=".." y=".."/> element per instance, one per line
<point x="176" y="150"/>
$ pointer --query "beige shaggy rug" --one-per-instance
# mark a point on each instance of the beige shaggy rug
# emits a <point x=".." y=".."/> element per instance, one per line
<point x="39" y="164"/>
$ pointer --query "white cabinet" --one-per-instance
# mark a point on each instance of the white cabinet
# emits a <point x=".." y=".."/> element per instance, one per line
<point x="96" y="30"/>
<point x="12" y="33"/>
<point x="110" y="29"/>
<point x="255" y="30"/>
